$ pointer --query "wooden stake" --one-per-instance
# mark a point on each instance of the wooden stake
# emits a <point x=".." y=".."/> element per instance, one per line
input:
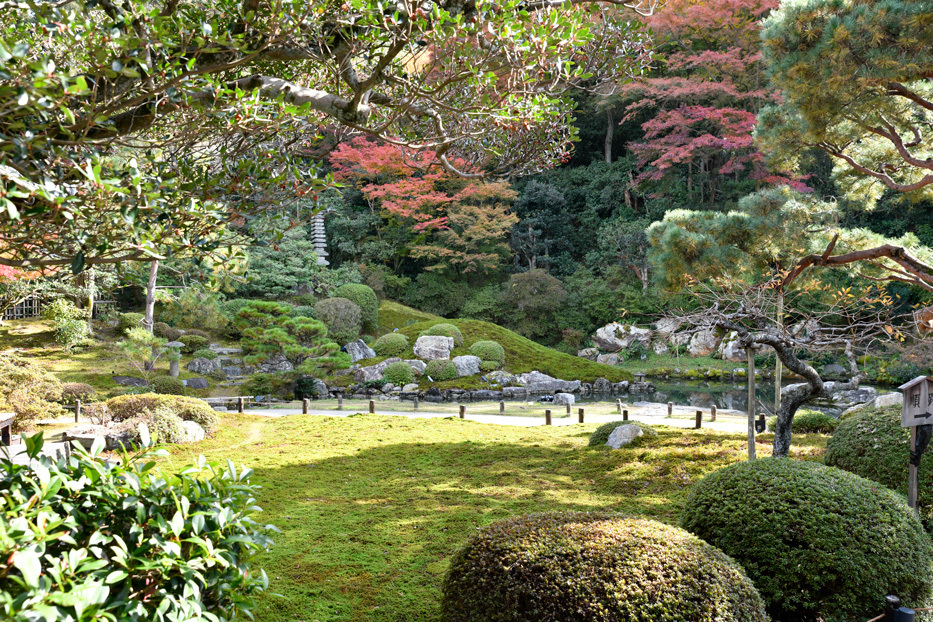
<point x="568" y="409"/>
<point x="913" y="479"/>
<point x="416" y="402"/>
<point x="305" y="403"/>
<point x="699" y="423"/>
<point x="462" y="411"/>
<point x="547" y="417"/>
<point x="580" y="415"/>
<point x="77" y="410"/>
<point x="670" y="409"/>
<point x="625" y="415"/>
<point x="750" y="355"/>
<point x="372" y="407"/>
<point x="712" y="412"/>
<point x="340" y="401"/>
<point x="239" y="405"/>
<point x="501" y="408"/>
<point x="619" y="406"/>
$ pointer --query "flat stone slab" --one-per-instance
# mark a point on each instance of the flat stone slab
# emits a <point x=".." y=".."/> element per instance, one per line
<point x="131" y="381"/>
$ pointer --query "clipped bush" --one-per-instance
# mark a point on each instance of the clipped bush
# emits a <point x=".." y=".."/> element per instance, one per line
<point x="440" y="370"/>
<point x="488" y="351"/>
<point x="167" y="385"/>
<point x="399" y="374"/>
<point x="488" y="366"/>
<point x="817" y="541"/>
<point x="126" y="321"/>
<point x="391" y="344"/>
<point x="72" y="391"/>
<point x="365" y="298"/>
<point x="188" y="408"/>
<point x="193" y="343"/>
<point x="71" y="323"/>
<point x="163" y="330"/>
<point x="303" y="311"/>
<point x="872" y="443"/>
<point x="87" y="545"/>
<point x="204" y="353"/>
<point x="165" y="425"/>
<point x="270" y="385"/>
<point x="196" y="333"/>
<point x="577" y="566"/>
<point x="217" y="374"/>
<point x="809" y="422"/>
<point x="342" y="318"/>
<point x="27" y="389"/>
<point x="446" y="330"/>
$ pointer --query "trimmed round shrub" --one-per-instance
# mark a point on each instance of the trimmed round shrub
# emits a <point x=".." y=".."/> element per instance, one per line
<point x="399" y="374"/>
<point x="489" y="366"/>
<point x="163" y="330"/>
<point x="488" y="351"/>
<point x="205" y="353"/>
<point x="809" y="422"/>
<point x="342" y="318"/>
<point x="445" y="330"/>
<point x="189" y="332"/>
<point x="217" y="374"/>
<point x="165" y="425"/>
<point x="72" y="391"/>
<point x="872" y="443"/>
<point x="126" y="321"/>
<point x="817" y="541"/>
<point x="365" y="298"/>
<point x="167" y="385"/>
<point x="188" y="408"/>
<point x="193" y="343"/>
<point x="577" y="566"/>
<point x="441" y="370"/>
<point x="391" y="344"/>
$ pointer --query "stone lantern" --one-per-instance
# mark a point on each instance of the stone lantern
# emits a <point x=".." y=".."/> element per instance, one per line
<point x="174" y="355"/>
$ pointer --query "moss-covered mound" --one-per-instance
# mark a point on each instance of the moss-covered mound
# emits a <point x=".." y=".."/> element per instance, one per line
<point x="489" y="351"/>
<point x="566" y="567"/>
<point x="445" y="329"/>
<point x="440" y="370"/>
<point x="391" y="344"/>
<point x="399" y="374"/>
<point x="809" y="422"/>
<point x="873" y="444"/>
<point x="600" y="435"/>
<point x="817" y="541"/>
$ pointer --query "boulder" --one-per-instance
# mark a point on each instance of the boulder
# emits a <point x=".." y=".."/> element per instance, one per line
<point x="131" y="381"/>
<point x="846" y="399"/>
<point x="703" y="342"/>
<point x="680" y="339"/>
<point x="882" y="401"/>
<point x="834" y="371"/>
<point x="319" y="388"/>
<point x="275" y="364"/>
<point x="192" y="432"/>
<point x="433" y="347"/>
<point x="467" y="365"/>
<point x="589" y="354"/>
<point x="730" y="350"/>
<point x="614" y="337"/>
<point x="225" y="351"/>
<point x="564" y="399"/>
<point x="417" y="366"/>
<point x="203" y="365"/>
<point x="623" y="435"/>
<point x="620" y="387"/>
<point x="586" y="388"/>
<point x="373" y="372"/>
<point x="358" y="351"/>
<point x="486" y="396"/>
<point x="433" y="395"/>
<point x="661" y="348"/>
<point x="609" y="359"/>
<point x="388" y="388"/>
<point x="410" y="388"/>
<point x="536" y="382"/>
<point x="232" y="372"/>
<point x="502" y="378"/>
<point x="602" y="386"/>
<point x="666" y="326"/>
<point x="515" y="393"/>
<point x="197" y="383"/>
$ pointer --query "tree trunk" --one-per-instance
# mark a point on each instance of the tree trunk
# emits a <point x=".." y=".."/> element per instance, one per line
<point x="150" y="295"/>
<point x="792" y="398"/>
<point x="610" y="129"/>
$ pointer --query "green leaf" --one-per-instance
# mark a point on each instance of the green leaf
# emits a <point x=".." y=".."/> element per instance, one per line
<point x="20" y="50"/>
<point x="29" y="564"/>
<point x="77" y="266"/>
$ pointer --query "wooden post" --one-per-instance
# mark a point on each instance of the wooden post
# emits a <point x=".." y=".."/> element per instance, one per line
<point x="77" y="410"/>
<point x="547" y="417"/>
<point x="913" y="474"/>
<point x="750" y="355"/>
<point x="670" y="409"/>
<point x="462" y="411"/>
<point x="239" y="405"/>
<point x="619" y="406"/>
<point x="304" y="406"/>
<point x="625" y="415"/>
<point x="712" y="412"/>
<point x="340" y="401"/>
<point x="580" y="415"/>
<point x="699" y="423"/>
<point x="416" y="402"/>
<point x="501" y="408"/>
<point x="372" y="407"/>
<point x="568" y="409"/>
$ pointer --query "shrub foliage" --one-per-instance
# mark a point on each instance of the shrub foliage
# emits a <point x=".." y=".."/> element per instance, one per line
<point x="85" y="539"/>
<point x="489" y="351"/>
<point x="810" y="422"/>
<point x="188" y="408"/>
<point x="446" y="330"/>
<point x="817" y="541"/>
<point x="399" y="374"/>
<point x="441" y="370"/>
<point x="342" y="318"/>
<point x="391" y="344"/>
<point x="365" y="298"/>
<point x="565" y="567"/>
<point x="28" y="390"/>
<point x="167" y="385"/>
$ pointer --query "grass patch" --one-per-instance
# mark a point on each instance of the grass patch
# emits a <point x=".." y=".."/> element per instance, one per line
<point x="372" y="507"/>
<point x="394" y="315"/>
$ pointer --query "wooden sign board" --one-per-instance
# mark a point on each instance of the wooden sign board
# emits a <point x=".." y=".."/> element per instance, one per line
<point x="918" y="402"/>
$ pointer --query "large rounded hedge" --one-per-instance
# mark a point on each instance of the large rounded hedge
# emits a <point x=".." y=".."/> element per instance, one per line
<point x="188" y="408"/>
<point x="489" y="351"/>
<point x="577" y="566"/>
<point x="872" y="443"/>
<point x="817" y="541"/>
<point x="365" y="298"/>
<point x="399" y="374"/>
<point x="391" y="344"/>
<point x="342" y="318"/>
<point x="440" y="370"/>
<point x="445" y="330"/>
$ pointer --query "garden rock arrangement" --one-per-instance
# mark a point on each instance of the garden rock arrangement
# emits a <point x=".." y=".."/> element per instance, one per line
<point x="623" y="435"/>
<point x="433" y="347"/>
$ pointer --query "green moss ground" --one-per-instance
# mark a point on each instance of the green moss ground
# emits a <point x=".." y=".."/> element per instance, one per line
<point x="372" y="507"/>
<point x="394" y="315"/>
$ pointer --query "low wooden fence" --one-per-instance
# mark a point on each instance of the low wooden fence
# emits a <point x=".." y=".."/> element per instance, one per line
<point x="30" y="307"/>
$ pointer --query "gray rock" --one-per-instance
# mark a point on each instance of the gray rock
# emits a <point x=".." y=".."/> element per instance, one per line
<point x="486" y="396"/>
<point x="433" y="347"/>
<point x="502" y="378"/>
<point x="373" y="372"/>
<point x="882" y="401"/>
<point x="130" y="381"/>
<point x="225" y="351"/>
<point x="410" y="388"/>
<point x="589" y="354"/>
<point x="834" y="371"/>
<point x="203" y="365"/>
<point x="602" y="386"/>
<point x="536" y="382"/>
<point x="466" y="365"/>
<point x="417" y="366"/>
<point x="319" y="388"/>
<point x="609" y="359"/>
<point x="145" y="438"/>
<point x="388" y="388"/>
<point x="563" y="399"/>
<point x="232" y="372"/>
<point x="845" y="399"/>
<point x="586" y="388"/>
<point x="730" y="349"/>
<point x="197" y="383"/>
<point x="515" y="393"/>
<point x="661" y="348"/>
<point x="703" y="342"/>
<point x="620" y="387"/>
<point x="358" y="351"/>
<point x="667" y="326"/>
<point x="275" y="364"/>
<point x="192" y="432"/>
<point x="614" y="337"/>
<point x="623" y="435"/>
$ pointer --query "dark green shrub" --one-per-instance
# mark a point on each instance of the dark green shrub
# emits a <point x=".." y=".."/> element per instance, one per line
<point x="303" y="311"/>
<point x="309" y="386"/>
<point x="194" y="332"/>
<point x="872" y="443"/>
<point x="576" y="566"/>
<point x="441" y="370"/>
<point x="72" y="391"/>
<point x="193" y="343"/>
<point x="126" y="321"/>
<point x="488" y="366"/>
<point x="365" y="298"/>
<point x="198" y="308"/>
<point x="167" y="385"/>
<point x="817" y="541"/>
<point x="163" y="330"/>
<point x="600" y="435"/>
<point x="391" y="344"/>
<point x="435" y="293"/>
<point x="809" y="422"/>
<point x="205" y="353"/>
<point x="488" y="351"/>
<point x="165" y="425"/>
<point x="102" y="534"/>
<point x="446" y="330"/>
<point x="217" y="374"/>
<point x="230" y="309"/>
<point x="188" y="408"/>
<point x="342" y="318"/>
<point x="399" y="374"/>
<point x="270" y="385"/>
<point x="28" y="390"/>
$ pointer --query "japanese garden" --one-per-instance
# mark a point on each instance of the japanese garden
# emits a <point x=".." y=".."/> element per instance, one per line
<point x="466" y="311"/>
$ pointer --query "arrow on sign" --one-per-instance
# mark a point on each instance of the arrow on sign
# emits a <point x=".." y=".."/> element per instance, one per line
<point x="925" y="415"/>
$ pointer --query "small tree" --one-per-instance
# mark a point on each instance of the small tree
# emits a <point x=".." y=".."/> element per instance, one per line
<point x="269" y="332"/>
<point x="142" y="349"/>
